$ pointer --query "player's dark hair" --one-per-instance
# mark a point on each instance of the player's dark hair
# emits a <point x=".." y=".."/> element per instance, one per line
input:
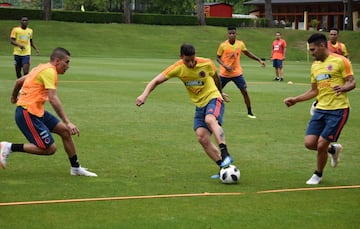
<point x="231" y="27"/>
<point x="59" y="53"/>
<point x="317" y="38"/>
<point x="336" y="29"/>
<point x="187" y="50"/>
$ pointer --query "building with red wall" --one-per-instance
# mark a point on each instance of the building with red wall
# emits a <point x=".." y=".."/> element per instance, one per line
<point x="217" y="10"/>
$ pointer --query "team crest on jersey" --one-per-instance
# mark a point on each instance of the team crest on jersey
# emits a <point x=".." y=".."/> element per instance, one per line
<point x="202" y="74"/>
<point x="329" y="67"/>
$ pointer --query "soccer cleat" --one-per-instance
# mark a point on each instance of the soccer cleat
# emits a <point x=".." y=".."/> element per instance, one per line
<point x="226" y="162"/>
<point x="251" y="115"/>
<point x="314" y="179"/>
<point x="216" y="176"/>
<point x="281" y="79"/>
<point x="335" y="157"/>
<point x="276" y="79"/>
<point x="80" y="171"/>
<point x="4" y="153"/>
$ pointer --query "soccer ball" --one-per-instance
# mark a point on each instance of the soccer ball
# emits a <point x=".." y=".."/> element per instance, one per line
<point x="230" y="174"/>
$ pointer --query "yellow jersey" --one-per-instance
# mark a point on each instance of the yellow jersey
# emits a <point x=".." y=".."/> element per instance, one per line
<point x="326" y="75"/>
<point x="198" y="81"/>
<point x="23" y="37"/>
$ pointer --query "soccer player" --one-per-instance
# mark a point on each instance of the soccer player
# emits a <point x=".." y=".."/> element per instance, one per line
<point x="35" y="122"/>
<point x="336" y="46"/>
<point x="21" y="38"/>
<point x="228" y="56"/>
<point x="331" y="78"/>
<point x="204" y="89"/>
<point x="278" y="53"/>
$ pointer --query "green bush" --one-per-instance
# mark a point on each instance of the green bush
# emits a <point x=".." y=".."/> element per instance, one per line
<point x="137" y="18"/>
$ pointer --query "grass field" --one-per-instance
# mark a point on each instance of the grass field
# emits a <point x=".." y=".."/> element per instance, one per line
<point x="152" y="150"/>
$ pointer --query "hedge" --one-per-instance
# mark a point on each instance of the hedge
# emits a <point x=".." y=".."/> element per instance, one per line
<point x="9" y="13"/>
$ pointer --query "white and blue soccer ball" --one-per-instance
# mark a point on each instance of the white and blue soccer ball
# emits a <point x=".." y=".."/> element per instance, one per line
<point x="230" y="174"/>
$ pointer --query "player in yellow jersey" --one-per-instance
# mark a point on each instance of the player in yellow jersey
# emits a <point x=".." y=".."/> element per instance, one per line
<point x="331" y="78"/>
<point x="21" y="38"/>
<point x="204" y="88"/>
<point x="228" y="56"/>
<point x="35" y="122"/>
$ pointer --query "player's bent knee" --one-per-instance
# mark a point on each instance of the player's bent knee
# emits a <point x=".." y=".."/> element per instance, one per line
<point x="51" y="150"/>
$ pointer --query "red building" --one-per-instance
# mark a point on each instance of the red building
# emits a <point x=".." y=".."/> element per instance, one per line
<point x="217" y="10"/>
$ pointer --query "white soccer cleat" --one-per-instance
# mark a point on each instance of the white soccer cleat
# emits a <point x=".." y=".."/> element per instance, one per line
<point x="4" y="153"/>
<point x="335" y="157"/>
<point x="314" y="179"/>
<point x="80" y="171"/>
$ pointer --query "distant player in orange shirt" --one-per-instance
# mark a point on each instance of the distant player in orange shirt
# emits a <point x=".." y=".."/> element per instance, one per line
<point x="35" y="122"/>
<point x="336" y="46"/>
<point x="228" y="56"/>
<point x="278" y="53"/>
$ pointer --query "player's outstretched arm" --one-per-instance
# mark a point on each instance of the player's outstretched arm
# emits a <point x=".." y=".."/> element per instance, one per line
<point x="159" y="79"/>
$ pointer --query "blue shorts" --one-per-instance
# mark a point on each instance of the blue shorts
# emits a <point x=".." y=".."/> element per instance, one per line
<point x="328" y="123"/>
<point x="277" y="63"/>
<point x="215" y="106"/>
<point x="36" y="130"/>
<point x="21" y="60"/>
<point x="238" y="80"/>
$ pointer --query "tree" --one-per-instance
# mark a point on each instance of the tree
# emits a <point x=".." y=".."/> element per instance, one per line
<point x="200" y="12"/>
<point x="268" y="12"/>
<point x="47" y="10"/>
<point x="127" y="12"/>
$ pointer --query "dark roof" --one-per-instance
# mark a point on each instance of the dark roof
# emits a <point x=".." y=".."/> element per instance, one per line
<point x="258" y="2"/>
<point x="215" y="3"/>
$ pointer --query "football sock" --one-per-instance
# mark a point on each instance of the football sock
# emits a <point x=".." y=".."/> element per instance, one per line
<point x="74" y="161"/>
<point x="17" y="147"/>
<point x="224" y="151"/>
<point x="318" y="173"/>
<point x="331" y="150"/>
<point x="249" y="111"/>
<point x="218" y="162"/>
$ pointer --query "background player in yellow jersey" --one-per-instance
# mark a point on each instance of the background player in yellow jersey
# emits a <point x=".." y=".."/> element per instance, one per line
<point x="228" y="56"/>
<point x="35" y="122"/>
<point x="204" y="89"/>
<point x="21" y="38"/>
<point x="331" y="78"/>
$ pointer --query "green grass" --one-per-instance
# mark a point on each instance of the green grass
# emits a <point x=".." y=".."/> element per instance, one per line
<point x="152" y="150"/>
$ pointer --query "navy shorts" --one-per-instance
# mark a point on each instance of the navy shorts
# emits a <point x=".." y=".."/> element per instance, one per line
<point x="21" y="60"/>
<point x="328" y="123"/>
<point x="277" y="63"/>
<point x="215" y="106"/>
<point x="36" y="130"/>
<point x="238" y="80"/>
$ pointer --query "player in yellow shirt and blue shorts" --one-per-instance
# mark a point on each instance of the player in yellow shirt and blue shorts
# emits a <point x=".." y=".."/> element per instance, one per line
<point x="331" y="78"/>
<point x="21" y="38"/>
<point x="204" y="89"/>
